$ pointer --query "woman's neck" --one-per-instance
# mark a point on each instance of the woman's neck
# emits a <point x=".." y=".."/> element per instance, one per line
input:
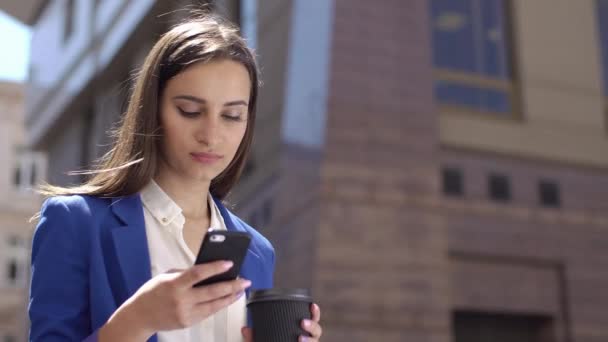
<point x="191" y="197"/>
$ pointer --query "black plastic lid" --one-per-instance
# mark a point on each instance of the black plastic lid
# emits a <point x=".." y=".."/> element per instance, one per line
<point x="302" y="295"/>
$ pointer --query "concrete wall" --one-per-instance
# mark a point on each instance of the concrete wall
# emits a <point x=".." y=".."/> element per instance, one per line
<point x="557" y="57"/>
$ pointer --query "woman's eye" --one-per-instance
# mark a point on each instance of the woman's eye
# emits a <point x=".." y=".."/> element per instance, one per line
<point x="232" y="117"/>
<point x="187" y="114"/>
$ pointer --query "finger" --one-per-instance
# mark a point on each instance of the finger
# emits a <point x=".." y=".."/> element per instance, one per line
<point x="175" y="270"/>
<point x="207" y="309"/>
<point x="247" y="334"/>
<point x="312" y="327"/>
<point x="315" y="310"/>
<point x="219" y="290"/>
<point x="200" y="272"/>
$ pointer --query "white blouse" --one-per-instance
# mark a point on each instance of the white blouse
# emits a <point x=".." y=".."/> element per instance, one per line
<point x="168" y="250"/>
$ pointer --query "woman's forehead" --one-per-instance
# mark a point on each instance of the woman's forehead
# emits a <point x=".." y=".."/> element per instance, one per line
<point x="212" y="78"/>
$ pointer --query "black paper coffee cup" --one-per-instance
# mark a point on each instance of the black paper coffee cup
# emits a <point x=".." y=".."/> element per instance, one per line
<point x="277" y="314"/>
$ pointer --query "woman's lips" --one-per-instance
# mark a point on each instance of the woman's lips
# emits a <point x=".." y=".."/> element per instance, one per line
<point x="205" y="158"/>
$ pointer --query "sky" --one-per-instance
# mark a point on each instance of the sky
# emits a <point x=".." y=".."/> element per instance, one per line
<point x="14" y="56"/>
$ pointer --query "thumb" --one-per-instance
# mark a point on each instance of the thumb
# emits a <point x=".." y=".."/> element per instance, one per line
<point x="247" y="334"/>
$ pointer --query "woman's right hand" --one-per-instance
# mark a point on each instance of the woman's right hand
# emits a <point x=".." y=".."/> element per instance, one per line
<point x="169" y="301"/>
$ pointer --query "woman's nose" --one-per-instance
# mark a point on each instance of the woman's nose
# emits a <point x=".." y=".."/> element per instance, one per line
<point x="207" y="130"/>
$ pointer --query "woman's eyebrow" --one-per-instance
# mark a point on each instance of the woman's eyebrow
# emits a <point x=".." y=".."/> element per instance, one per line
<point x="203" y="101"/>
<point x="236" y="103"/>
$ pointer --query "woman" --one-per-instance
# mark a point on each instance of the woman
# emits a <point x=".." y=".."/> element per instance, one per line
<point x="112" y="258"/>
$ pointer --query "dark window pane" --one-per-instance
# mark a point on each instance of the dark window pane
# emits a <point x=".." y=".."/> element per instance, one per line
<point x="494" y="39"/>
<point x="499" y="187"/>
<point x="453" y="35"/>
<point x="549" y="194"/>
<point x="12" y="271"/>
<point x="602" y="9"/>
<point x="452" y="182"/>
<point x="16" y="176"/>
<point x="33" y="175"/>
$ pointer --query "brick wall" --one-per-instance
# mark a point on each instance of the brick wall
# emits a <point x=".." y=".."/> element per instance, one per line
<point x="570" y="240"/>
<point x="381" y="271"/>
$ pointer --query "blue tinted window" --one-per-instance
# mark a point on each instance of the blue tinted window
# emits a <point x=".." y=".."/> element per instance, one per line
<point x="470" y="35"/>
<point x="453" y="37"/>
<point x="470" y="96"/>
<point x="494" y="35"/>
<point x="602" y="8"/>
<point x="457" y="94"/>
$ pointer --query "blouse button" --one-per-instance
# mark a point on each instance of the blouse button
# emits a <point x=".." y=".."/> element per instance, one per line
<point x="164" y="219"/>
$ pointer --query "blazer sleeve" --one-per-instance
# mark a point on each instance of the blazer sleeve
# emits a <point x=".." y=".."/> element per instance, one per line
<point x="59" y="302"/>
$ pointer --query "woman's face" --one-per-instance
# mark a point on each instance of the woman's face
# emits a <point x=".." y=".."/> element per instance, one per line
<point x="203" y="116"/>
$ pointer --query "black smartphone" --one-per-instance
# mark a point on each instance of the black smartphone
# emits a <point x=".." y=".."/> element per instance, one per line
<point x="223" y="245"/>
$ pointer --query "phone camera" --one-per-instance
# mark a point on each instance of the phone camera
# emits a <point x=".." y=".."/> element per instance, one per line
<point x="217" y="238"/>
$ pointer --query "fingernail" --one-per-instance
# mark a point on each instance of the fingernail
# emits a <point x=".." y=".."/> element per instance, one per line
<point x="303" y="339"/>
<point x="240" y="294"/>
<point x="227" y="265"/>
<point x="246" y="284"/>
<point x="307" y="323"/>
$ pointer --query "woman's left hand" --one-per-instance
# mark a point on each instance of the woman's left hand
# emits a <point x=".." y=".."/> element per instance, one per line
<point x="312" y="326"/>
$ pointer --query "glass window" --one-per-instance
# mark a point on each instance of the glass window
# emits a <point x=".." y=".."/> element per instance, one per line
<point x="16" y="176"/>
<point x="471" y="53"/>
<point x="452" y="182"/>
<point x="454" y="93"/>
<point x="453" y="37"/>
<point x="549" y="193"/>
<point x="499" y="187"/>
<point x="12" y="272"/>
<point x="33" y="175"/>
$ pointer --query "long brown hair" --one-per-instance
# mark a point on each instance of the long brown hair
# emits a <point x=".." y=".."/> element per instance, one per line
<point x="132" y="161"/>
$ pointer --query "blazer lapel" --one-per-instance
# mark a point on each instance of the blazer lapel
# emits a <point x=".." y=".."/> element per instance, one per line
<point x="131" y="242"/>
<point x="132" y="245"/>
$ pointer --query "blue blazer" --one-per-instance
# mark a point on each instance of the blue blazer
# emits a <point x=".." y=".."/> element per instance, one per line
<point x="90" y="254"/>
